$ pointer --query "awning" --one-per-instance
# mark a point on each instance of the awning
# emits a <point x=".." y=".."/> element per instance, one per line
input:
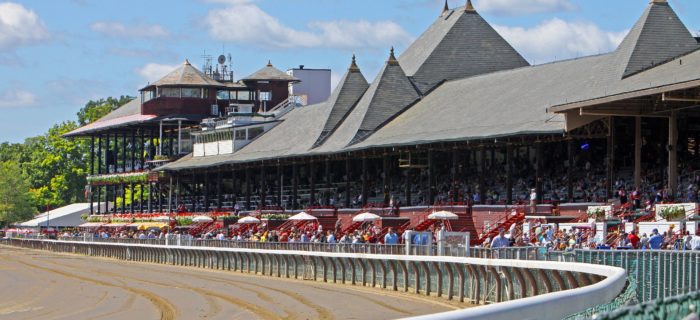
<point x="91" y="225"/>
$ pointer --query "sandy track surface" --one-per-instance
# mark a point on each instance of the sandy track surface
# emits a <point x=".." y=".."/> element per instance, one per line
<point x="43" y="285"/>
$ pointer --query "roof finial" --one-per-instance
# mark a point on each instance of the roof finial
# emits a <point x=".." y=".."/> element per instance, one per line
<point x="658" y="2"/>
<point x="269" y="63"/>
<point x="187" y="62"/>
<point x="469" y="7"/>
<point x="392" y="58"/>
<point x="353" y="65"/>
<point x="445" y="9"/>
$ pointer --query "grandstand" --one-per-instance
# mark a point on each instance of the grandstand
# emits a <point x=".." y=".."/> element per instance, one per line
<point x="459" y="121"/>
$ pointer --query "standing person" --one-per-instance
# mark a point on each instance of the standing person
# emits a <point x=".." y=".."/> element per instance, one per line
<point x="633" y="239"/>
<point x="656" y="240"/>
<point x="533" y="201"/>
<point x="391" y="237"/>
<point x="500" y="241"/>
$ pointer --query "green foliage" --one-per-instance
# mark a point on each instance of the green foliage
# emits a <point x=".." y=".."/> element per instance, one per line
<point x="271" y="216"/>
<point x="137" y="195"/>
<point x="673" y="213"/>
<point x="15" y="201"/>
<point x="54" y="169"/>
<point x="95" y="110"/>
<point x="184" y="221"/>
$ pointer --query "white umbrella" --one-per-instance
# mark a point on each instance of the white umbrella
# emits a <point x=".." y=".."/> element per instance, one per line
<point x="161" y="218"/>
<point x="443" y="215"/>
<point x="199" y="219"/>
<point x="248" y="220"/>
<point x="302" y="216"/>
<point x="365" y="217"/>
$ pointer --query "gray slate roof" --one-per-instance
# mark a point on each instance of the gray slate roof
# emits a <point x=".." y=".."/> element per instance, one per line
<point x="186" y="75"/>
<point x="504" y="103"/>
<point x="658" y="36"/>
<point x="390" y="93"/>
<point x="270" y="73"/>
<point x="343" y="99"/>
<point x="457" y="45"/>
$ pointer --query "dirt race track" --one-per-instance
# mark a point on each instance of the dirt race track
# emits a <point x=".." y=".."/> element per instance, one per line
<point x="43" y="285"/>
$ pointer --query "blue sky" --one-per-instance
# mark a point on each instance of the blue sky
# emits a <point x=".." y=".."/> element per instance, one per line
<point x="56" y="55"/>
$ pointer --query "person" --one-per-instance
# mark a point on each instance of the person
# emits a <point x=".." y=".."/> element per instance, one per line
<point x="533" y="201"/>
<point x="656" y="240"/>
<point x="391" y="237"/>
<point x="330" y="237"/>
<point x="633" y="239"/>
<point x="500" y="241"/>
<point x="695" y="241"/>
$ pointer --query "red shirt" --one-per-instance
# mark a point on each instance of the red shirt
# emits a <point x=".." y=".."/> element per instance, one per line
<point x="634" y="239"/>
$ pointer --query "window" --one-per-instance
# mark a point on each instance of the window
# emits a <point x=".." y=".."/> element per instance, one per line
<point x="170" y="92"/>
<point x="254" y="132"/>
<point x="265" y="95"/>
<point x="244" y="95"/>
<point x="147" y="95"/>
<point x="191" y="92"/>
<point x="240" y="134"/>
<point x="223" y="95"/>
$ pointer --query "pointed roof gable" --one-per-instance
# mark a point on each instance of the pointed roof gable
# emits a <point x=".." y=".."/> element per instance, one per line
<point x="459" y="44"/>
<point x="270" y="73"/>
<point x="390" y="93"/>
<point x="344" y="97"/>
<point x="186" y="75"/>
<point x="657" y="37"/>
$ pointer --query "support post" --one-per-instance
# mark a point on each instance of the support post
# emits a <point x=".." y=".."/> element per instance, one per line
<point x="247" y="189"/>
<point x="431" y="178"/>
<point x="295" y="185"/>
<point x="638" y="153"/>
<point x="219" y="196"/>
<point x="92" y="171"/>
<point x="509" y="174"/>
<point x="610" y="158"/>
<point x="453" y="183"/>
<point x="570" y="171"/>
<point x="482" y="174"/>
<point x="312" y="183"/>
<point x="673" y="154"/>
<point x="538" y="170"/>
<point x="407" y="192"/>
<point x="206" y="191"/>
<point x="365" y="183"/>
<point x="281" y="184"/>
<point x="347" y="182"/>
<point x="263" y="186"/>
<point x="328" y="196"/>
<point x="385" y="180"/>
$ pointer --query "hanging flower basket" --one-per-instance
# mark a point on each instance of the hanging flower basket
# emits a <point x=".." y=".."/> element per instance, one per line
<point x="596" y="213"/>
<point x="123" y="178"/>
<point x="672" y="213"/>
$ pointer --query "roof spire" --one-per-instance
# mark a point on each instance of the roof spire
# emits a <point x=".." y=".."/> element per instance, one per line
<point x="353" y="65"/>
<point x="445" y="9"/>
<point x="658" y="2"/>
<point x="269" y="63"/>
<point x="392" y="58"/>
<point x="469" y="7"/>
<point x="187" y="62"/>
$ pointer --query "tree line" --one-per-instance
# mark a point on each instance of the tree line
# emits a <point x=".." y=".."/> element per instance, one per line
<point x="48" y="171"/>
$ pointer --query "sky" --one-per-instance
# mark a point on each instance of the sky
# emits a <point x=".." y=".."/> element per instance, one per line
<point x="57" y="55"/>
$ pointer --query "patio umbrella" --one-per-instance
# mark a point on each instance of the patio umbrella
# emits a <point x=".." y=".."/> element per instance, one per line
<point x="443" y="215"/>
<point x="248" y="220"/>
<point x="302" y="216"/>
<point x="199" y="219"/>
<point x="365" y="217"/>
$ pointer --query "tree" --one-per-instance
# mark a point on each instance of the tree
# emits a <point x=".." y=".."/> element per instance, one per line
<point x="15" y="200"/>
<point x="95" y="110"/>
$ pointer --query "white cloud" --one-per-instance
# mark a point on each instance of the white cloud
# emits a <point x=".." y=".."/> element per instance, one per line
<point x="119" y="30"/>
<point x="556" y="39"/>
<point x="153" y="71"/>
<point x="17" y="99"/>
<point x="335" y="80"/>
<point x="242" y="22"/>
<point x="19" y="26"/>
<point x="523" y="7"/>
